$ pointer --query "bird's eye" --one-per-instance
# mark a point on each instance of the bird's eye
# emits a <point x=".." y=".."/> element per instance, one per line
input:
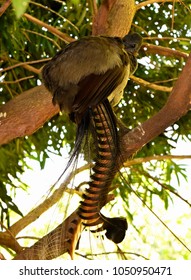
<point x="133" y="46"/>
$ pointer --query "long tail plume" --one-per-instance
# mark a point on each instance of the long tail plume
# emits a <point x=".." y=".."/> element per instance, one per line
<point x="103" y="126"/>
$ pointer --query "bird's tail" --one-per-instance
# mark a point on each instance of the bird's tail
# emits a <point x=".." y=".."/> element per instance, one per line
<point x="102" y="123"/>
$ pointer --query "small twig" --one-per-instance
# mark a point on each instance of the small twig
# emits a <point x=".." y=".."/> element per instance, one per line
<point x="150" y="85"/>
<point x="166" y="81"/>
<point x="185" y="6"/>
<point x="43" y="36"/>
<point x="24" y="64"/>
<point x="146" y="159"/>
<point x="172" y="23"/>
<point x="109" y="253"/>
<point x="52" y="11"/>
<point x="163" y="51"/>
<point x="28" y="237"/>
<point x="94" y="6"/>
<point x="32" y="69"/>
<point x="167" y="38"/>
<point x="17" y="81"/>
<point x="165" y="187"/>
<point x="148" y="2"/>
<point x="50" y="28"/>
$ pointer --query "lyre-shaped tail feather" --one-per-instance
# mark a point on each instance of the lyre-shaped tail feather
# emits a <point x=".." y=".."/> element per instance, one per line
<point x="103" y="126"/>
<point x="73" y="234"/>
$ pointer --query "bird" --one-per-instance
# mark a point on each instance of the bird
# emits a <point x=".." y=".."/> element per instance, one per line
<point x="87" y="79"/>
<point x="89" y="70"/>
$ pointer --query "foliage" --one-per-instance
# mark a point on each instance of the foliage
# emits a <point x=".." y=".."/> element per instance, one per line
<point x="20" y="6"/>
<point x="22" y="41"/>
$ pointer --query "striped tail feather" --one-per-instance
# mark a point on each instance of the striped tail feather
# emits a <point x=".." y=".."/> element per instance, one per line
<point x="104" y="130"/>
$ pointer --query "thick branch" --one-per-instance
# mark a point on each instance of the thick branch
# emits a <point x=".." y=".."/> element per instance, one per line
<point x="114" y="18"/>
<point x="149" y="48"/>
<point x="9" y="241"/>
<point x="25" y="114"/>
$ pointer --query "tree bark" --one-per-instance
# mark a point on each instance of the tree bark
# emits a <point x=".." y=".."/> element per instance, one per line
<point x="25" y="114"/>
<point x="114" y="18"/>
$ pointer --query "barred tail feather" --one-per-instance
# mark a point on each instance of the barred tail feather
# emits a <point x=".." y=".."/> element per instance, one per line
<point x="103" y="127"/>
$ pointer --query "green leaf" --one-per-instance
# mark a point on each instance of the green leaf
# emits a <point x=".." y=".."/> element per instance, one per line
<point x="20" y="7"/>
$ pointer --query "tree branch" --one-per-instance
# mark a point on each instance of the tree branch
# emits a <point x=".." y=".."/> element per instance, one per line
<point x="46" y="204"/>
<point x="112" y="12"/>
<point x="8" y="240"/>
<point x="24" y="65"/>
<point x="17" y="81"/>
<point x="150" y="85"/>
<point x="26" y="113"/>
<point x="50" y="28"/>
<point x="4" y="7"/>
<point x="149" y="48"/>
<point x="135" y="161"/>
<point x="148" y="2"/>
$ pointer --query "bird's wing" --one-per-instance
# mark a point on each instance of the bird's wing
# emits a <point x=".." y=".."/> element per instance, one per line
<point x="81" y="58"/>
<point x="93" y="89"/>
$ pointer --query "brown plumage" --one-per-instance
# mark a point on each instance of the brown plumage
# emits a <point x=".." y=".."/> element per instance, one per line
<point x="89" y="70"/>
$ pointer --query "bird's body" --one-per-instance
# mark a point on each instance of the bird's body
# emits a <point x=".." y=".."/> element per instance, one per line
<point x="85" y="78"/>
<point x="89" y="70"/>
